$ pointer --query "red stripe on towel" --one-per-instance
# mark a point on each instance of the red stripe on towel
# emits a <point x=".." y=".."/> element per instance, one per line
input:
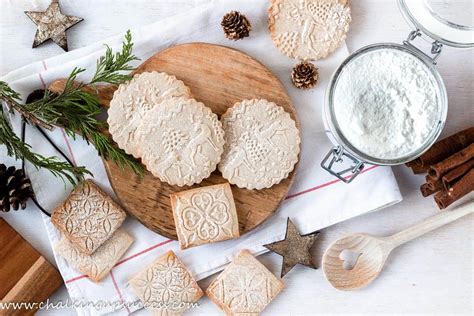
<point x="42" y="80"/>
<point x="118" y="291"/>
<point x="143" y="252"/>
<point x="69" y="148"/>
<point x="324" y="185"/>
<point x="76" y="278"/>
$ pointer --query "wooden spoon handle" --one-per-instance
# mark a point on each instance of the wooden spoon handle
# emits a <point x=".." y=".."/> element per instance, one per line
<point x="104" y="92"/>
<point x="431" y="223"/>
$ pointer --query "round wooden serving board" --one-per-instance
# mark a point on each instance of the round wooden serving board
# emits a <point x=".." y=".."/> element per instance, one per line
<point x="219" y="77"/>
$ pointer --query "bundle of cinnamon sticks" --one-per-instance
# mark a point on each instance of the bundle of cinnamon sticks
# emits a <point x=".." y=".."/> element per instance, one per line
<point x="450" y="167"/>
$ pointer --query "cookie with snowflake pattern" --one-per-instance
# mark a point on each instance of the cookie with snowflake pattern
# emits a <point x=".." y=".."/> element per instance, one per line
<point x="245" y="287"/>
<point x="309" y="29"/>
<point x="132" y="101"/>
<point x="181" y="141"/>
<point x="262" y="144"/>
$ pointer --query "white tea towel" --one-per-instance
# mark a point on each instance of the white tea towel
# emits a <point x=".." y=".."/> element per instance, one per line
<point x="315" y="201"/>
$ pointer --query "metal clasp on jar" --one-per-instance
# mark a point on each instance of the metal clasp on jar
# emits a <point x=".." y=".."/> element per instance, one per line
<point x="336" y="156"/>
<point x="436" y="46"/>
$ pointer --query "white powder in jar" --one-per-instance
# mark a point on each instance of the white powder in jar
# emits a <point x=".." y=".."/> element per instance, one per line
<point x="386" y="103"/>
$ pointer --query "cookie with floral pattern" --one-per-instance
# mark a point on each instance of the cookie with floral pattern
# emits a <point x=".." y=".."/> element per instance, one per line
<point x="98" y="265"/>
<point x="166" y="287"/>
<point x="88" y="217"/>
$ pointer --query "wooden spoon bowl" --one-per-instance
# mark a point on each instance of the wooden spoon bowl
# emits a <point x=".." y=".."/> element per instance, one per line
<point x="374" y="251"/>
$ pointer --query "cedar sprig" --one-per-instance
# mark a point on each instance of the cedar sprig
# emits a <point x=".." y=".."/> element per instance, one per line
<point x="77" y="110"/>
<point x="12" y="99"/>
<point x="17" y="148"/>
<point x="109" y="67"/>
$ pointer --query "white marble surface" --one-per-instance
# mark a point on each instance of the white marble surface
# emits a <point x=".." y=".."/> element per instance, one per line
<point x="433" y="274"/>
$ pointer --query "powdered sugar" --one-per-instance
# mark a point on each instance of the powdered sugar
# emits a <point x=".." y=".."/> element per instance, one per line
<point x="386" y="103"/>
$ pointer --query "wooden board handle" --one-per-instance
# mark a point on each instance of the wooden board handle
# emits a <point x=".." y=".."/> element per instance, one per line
<point x="36" y="285"/>
<point x="104" y="92"/>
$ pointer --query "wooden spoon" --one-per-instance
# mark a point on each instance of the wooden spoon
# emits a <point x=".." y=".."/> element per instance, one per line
<point x="373" y="251"/>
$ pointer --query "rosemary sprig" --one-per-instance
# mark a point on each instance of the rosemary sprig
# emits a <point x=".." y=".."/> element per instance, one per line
<point x="77" y="110"/>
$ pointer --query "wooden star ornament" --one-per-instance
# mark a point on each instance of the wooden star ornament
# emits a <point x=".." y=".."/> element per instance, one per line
<point x="52" y="25"/>
<point x="294" y="249"/>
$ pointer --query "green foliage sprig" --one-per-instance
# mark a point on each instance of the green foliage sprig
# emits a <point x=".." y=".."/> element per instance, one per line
<point x="17" y="148"/>
<point x="76" y="111"/>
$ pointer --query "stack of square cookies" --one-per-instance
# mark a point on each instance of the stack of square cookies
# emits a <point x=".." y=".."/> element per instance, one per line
<point x="92" y="240"/>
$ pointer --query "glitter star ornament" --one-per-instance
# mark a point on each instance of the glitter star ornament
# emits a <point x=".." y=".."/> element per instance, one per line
<point x="52" y="25"/>
<point x="294" y="249"/>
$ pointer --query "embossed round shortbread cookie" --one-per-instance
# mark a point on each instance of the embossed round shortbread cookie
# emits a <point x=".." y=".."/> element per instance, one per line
<point x="262" y="144"/>
<point x="182" y="141"/>
<point x="131" y="102"/>
<point x="309" y="29"/>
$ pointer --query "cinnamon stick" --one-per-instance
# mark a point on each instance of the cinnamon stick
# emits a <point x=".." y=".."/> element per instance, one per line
<point x="462" y="187"/>
<point x="417" y="169"/>
<point x="434" y="184"/>
<point x="449" y="178"/>
<point x="426" y="190"/>
<point x="445" y="148"/>
<point x="441" y="168"/>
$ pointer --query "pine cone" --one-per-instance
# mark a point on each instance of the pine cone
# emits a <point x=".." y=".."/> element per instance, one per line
<point x="305" y="75"/>
<point x="235" y="25"/>
<point x="15" y="188"/>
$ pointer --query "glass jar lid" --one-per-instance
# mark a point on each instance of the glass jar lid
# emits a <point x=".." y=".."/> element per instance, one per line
<point x="446" y="21"/>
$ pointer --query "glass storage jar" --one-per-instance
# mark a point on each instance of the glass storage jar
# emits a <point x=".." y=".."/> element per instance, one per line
<point x="432" y="19"/>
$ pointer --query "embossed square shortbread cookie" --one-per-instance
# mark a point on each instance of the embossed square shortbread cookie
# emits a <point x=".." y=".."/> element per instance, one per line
<point x="308" y="29"/>
<point x="245" y="287"/>
<point x="166" y="287"/>
<point x="262" y="144"/>
<point x="132" y="101"/>
<point x="88" y="217"/>
<point x="205" y="215"/>
<point x="99" y="264"/>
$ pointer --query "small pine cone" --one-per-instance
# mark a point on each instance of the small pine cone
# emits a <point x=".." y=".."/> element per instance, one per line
<point x="305" y="75"/>
<point x="15" y="188"/>
<point x="235" y="25"/>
